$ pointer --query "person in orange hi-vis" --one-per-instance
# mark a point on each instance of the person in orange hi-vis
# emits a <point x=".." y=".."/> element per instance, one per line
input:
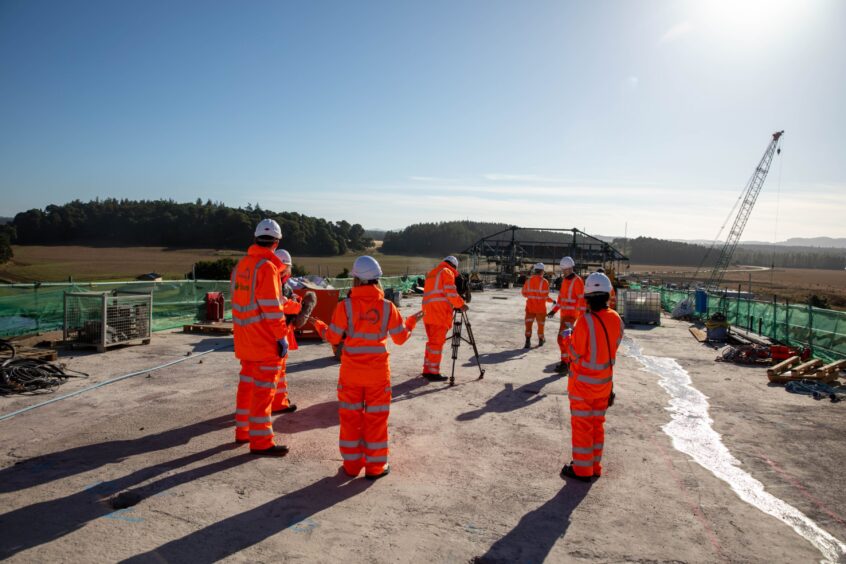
<point x="571" y="302"/>
<point x="612" y="298"/>
<point x="440" y="299"/>
<point x="536" y="292"/>
<point x="260" y="332"/>
<point x="364" y="383"/>
<point x="593" y="349"/>
<point x="291" y="306"/>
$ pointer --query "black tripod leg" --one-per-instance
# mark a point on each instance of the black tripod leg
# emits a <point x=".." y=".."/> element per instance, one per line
<point x="473" y="343"/>
<point x="456" y="342"/>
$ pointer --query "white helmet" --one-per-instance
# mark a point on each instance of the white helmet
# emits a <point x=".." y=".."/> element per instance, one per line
<point x="268" y="228"/>
<point x="567" y="262"/>
<point x="284" y="256"/>
<point x="539" y="266"/>
<point x="366" y="268"/>
<point x="597" y="283"/>
<point x="452" y="260"/>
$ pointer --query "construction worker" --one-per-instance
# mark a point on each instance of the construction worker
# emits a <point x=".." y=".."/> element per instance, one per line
<point x="571" y="302"/>
<point x="364" y="384"/>
<point x="440" y="299"/>
<point x="612" y="300"/>
<point x="536" y="292"/>
<point x="260" y="334"/>
<point x="593" y="348"/>
<point x="291" y="306"/>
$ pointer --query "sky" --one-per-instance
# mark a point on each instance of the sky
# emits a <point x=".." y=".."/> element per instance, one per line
<point x="640" y="117"/>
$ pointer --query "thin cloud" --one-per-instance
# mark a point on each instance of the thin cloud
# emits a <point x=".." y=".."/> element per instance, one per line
<point x="679" y="30"/>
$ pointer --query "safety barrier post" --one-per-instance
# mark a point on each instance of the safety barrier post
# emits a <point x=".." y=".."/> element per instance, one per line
<point x="810" y="325"/>
<point x="787" y="321"/>
<point x="774" y="334"/>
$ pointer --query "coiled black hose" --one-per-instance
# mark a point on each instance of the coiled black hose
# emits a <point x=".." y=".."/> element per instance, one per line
<point x="31" y="376"/>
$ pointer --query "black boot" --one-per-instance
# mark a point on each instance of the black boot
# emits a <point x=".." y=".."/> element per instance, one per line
<point x="528" y="344"/>
<point x="541" y="341"/>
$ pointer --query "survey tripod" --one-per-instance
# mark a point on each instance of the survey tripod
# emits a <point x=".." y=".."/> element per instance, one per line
<point x="459" y="318"/>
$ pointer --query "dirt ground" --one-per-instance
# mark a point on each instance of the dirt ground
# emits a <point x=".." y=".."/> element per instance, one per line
<point x="475" y="467"/>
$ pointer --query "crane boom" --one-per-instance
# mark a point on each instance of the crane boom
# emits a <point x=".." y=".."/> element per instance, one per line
<point x="750" y="194"/>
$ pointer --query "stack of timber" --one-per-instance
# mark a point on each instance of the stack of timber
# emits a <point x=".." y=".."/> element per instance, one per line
<point x="790" y="369"/>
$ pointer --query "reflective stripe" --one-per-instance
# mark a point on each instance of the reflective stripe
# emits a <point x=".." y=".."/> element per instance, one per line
<point x="375" y="458"/>
<point x="349" y="444"/>
<point x="242" y="412"/>
<point x="598" y="413"/>
<point x="242" y="424"/>
<point x="255" y="279"/>
<point x="434" y="351"/>
<point x="336" y="329"/>
<point x="273" y="315"/>
<point x="377" y="408"/>
<point x="375" y="446"/>
<point x="261" y="432"/>
<point x="581" y="412"/>
<point x="430" y="300"/>
<point x="598" y="446"/>
<point x="397" y="329"/>
<point x="583" y="450"/>
<point x="269" y="303"/>
<point x="281" y="390"/>
<point x="576" y="398"/>
<point x="386" y="312"/>
<point x="270" y="368"/>
<point x="260" y="420"/>
<point x="589" y="380"/>
<point x="244" y="309"/>
<point x="246" y="380"/>
<point x="366" y="350"/>
<point x="352" y="456"/>
<point x="246" y="321"/>
<point x="261" y="384"/>
<point x="431" y="365"/>
<point x="582" y="462"/>
<point x="344" y="405"/>
<point x="597" y="458"/>
<point x="450" y="286"/>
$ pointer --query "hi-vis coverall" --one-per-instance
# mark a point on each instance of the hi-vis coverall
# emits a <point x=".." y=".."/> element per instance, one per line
<point x="571" y="302"/>
<point x="440" y="297"/>
<point x="590" y="384"/>
<point x="364" y="385"/>
<point x="258" y="322"/>
<point x="536" y="292"/>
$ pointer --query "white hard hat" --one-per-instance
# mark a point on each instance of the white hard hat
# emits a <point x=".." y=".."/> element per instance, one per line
<point x="284" y="256"/>
<point x="452" y="260"/>
<point x="567" y="262"/>
<point x="268" y="228"/>
<point x="597" y="283"/>
<point x="539" y="266"/>
<point x="366" y="268"/>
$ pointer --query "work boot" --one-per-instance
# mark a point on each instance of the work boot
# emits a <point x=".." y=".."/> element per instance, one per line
<point x="241" y="441"/>
<point x="568" y="472"/>
<point x="275" y="450"/>
<point x="541" y="341"/>
<point x="385" y="472"/>
<point x="528" y="344"/>
<point x="562" y="367"/>
<point x="290" y="409"/>
<point x="611" y="399"/>
<point x="435" y="377"/>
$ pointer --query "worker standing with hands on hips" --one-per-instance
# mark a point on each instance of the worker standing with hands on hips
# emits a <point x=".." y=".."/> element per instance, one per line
<point x="258" y="322"/>
<point x="571" y="302"/>
<point x="593" y="349"/>
<point x="364" y="384"/>
<point x="536" y="292"/>
<point x="440" y="298"/>
<point x="290" y="306"/>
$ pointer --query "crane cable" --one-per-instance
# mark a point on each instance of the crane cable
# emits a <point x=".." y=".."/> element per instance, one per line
<point x="775" y="228"/>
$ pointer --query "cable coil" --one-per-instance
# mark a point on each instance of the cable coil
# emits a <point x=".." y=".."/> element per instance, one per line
<point x="31" y="376"/>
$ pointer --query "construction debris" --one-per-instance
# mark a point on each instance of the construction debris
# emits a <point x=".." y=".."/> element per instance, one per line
<point x="817" y="390"/>
<point x="745" y="354"/>
<point x="22" y="375"/>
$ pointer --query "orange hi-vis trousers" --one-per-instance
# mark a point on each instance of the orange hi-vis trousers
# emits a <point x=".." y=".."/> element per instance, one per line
<point x="280" y="398"/>
<point x="564" y="332"/>
<point x="256" y="387"/>
<point x="530" y="320"/>
<point x="587" y="421"/>
<point x="363" y="441"/>
<point x="436" y="337"/>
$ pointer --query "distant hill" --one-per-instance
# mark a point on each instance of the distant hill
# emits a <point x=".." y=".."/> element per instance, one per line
<point x="813" y="242"/>
<point x="5" y="220"/>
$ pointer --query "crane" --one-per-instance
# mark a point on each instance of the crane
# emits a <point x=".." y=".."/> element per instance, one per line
<point x="750" y="194"/>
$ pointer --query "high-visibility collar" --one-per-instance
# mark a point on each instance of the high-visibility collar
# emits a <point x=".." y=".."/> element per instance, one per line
<point x="265" y="253"/>
<point x="449" y="266"/>
<point x="368" y="292"/>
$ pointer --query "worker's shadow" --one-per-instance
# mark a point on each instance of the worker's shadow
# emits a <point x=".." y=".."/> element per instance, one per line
<point x="239" y="532"/>
<point x="62" y="464"/>
<point x="43" y="522"/>
<point x="313" y="364"/>
<point x="496" y="357"/>
<point x="316" y="416"/>
<point x="510" y="399"/>
<point x="210" y="343"/>
<point x="538" y="531"/>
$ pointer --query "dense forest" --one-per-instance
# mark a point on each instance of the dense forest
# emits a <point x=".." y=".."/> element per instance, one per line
<point x="438" y="238"/>
<point x="171" y="224"/>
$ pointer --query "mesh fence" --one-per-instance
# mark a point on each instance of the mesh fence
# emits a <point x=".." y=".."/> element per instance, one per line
<point x="823" y="330"/>
<point x="36" y="308"/>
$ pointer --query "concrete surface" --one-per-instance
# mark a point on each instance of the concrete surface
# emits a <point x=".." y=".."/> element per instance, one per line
<point x="474" y="468"/>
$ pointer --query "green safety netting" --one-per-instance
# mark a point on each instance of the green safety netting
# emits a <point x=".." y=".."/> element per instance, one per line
<point x="36" y="308"/>
<point x="823" y="330"/>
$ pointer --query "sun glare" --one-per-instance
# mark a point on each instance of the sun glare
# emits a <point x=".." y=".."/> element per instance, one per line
<point x="752" y="20"/>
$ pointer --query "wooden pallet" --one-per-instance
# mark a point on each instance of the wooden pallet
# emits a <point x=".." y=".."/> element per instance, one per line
<point x="698" y="334"/>
<point x="783" y="366"/>
<point x="221" y="328"/>
<point x="35" y="354"/>
<point x="831" y="369"/>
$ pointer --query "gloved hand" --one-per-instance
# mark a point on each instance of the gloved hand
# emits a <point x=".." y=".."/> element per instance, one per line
<point x="551" y="314"/>
<point x="283" y="347"/>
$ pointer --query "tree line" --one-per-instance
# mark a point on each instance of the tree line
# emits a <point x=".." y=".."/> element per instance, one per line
<point x="172" y="224"/>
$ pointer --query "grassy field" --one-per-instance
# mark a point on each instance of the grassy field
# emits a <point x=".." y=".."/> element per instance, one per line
<point x="56" y="264"/>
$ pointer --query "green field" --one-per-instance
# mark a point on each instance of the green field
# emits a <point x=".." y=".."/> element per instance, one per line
<point x="58" y="263"/>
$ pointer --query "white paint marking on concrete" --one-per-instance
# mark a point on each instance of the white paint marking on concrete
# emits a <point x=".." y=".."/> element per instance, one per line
<point x="691" y="432"/>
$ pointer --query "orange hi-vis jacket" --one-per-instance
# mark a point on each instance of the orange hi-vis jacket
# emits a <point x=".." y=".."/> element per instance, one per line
<point x="258" y="319"/>
<point x="536" y="292"/>
<point x="571" y="297"/>
<point x="367" y="318"/>
<point x="440" y="295"/>
<point x="593" y="350"/>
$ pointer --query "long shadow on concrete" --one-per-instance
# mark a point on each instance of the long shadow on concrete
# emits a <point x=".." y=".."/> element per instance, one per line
<point x="46" y="521"/>
<point x="493" y="358"/>
<point x="62" y="464"/>
<point x="538" y="531"/>
<point x="230" y="535"/>
<point x="316" y="416"/>
<point x="510" y="399"/>
<point x="315" y="363"/>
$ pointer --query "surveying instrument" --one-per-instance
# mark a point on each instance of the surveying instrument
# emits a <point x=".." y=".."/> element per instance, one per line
<point x="459" y="318"/>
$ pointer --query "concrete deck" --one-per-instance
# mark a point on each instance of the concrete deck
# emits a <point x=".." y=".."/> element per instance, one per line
<point x="475" y="467"/>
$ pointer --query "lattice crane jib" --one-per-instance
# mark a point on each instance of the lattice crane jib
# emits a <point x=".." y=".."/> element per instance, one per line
<point x="750" y="195"/>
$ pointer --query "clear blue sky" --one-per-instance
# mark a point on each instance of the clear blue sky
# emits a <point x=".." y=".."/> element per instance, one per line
<point x="593" y="114"/>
